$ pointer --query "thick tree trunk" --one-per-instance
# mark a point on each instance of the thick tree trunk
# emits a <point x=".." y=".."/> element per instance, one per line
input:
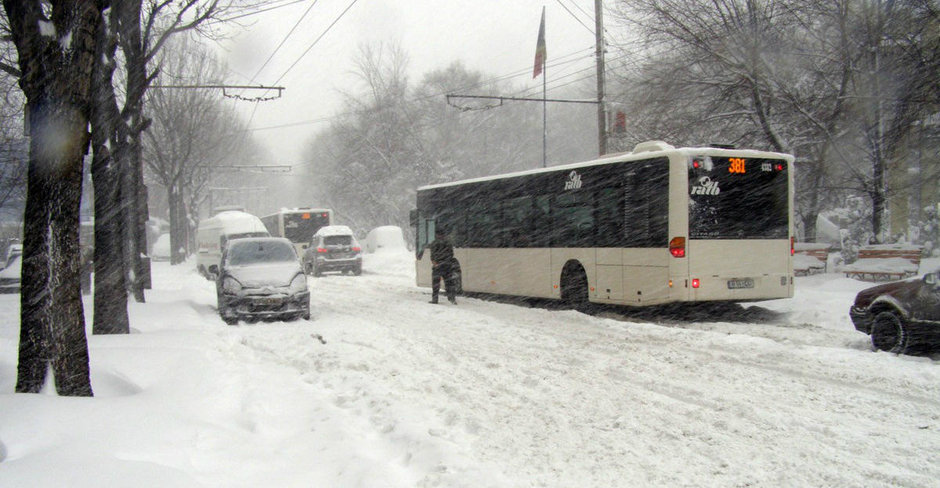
<point x="110" y="300"/>
<point x="136" y="64"/>
<point x="110" y="315"/>
<point x="56" y="80"/>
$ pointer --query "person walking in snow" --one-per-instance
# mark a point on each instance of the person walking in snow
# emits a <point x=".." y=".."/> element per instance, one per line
<point x="443" y="267"/>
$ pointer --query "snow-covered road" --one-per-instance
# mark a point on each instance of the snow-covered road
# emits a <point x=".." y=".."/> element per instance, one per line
<point x="405" y="393"/>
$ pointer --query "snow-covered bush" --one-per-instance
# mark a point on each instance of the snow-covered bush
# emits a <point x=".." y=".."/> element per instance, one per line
<point x="856" y="227"/>
<point x="926" y="232"/>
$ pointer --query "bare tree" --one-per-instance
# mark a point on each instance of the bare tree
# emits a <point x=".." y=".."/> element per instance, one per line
<point x="193" y="134"/>
<point x="14" y="146"/>
<point x="894" y="85"/>
<point x="56" y="47"/>
<point x="811" y="78"/>
<point x="392" y="138"/>
<point x="374" y="151"/>
<point x="139" y="28"/>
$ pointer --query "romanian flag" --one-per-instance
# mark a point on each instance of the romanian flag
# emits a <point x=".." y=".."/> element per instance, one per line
<point x="540" y="48"/>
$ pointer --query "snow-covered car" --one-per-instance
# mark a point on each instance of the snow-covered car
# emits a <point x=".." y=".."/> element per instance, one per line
<point x="261" y="278"/>
<point x="385" y="238"/>
<point x="333" y="248"/>
<point x="902" y="316"/>
<point x="10" y="275"/>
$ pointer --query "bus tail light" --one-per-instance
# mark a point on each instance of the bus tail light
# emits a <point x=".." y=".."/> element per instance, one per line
<point x="695" y="283"/>
<point x="792" y="245"/>
<point x="677" y="247"/>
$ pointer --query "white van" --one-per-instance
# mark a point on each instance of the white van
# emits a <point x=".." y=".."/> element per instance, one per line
<point x="214" y="232"/>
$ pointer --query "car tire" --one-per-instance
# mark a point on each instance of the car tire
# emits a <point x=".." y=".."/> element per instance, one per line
<point x="230" y="320"/>
<point x="316" y="272"/>
<point x="889" y="333"/>
<point x="308" y="269"/>
<point x="357" y="270"/>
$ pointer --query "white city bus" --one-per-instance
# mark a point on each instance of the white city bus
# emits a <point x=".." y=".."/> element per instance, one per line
<point x="298" y="225"/>
<point x="658" y="225"/>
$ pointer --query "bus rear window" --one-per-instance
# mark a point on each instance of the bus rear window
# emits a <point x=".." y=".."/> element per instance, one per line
<point x="300" y="229"/>
<point x="738" y="198"/>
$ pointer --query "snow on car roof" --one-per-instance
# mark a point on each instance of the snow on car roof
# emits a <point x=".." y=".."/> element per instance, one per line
<point x="230" y="215"/>
<point x="334" y="230"/>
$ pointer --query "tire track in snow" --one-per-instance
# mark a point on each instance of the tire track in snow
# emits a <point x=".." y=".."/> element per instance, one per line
<point x="554" y="394"/>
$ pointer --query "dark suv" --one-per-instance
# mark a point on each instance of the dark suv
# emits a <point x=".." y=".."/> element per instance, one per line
<point x="333" y="248"/>
<point x="901" y="317"/>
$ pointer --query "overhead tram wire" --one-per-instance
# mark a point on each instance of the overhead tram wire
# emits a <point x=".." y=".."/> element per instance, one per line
<point x="267" y="9"/>
<point x="526" y="91"/>
<point x="575" y="17"/>
<point x="255" y="109"/>
<point x="315" y="41"/>
<point x="589" y="16"/>
<point x="279" y="46"/>
<point x="514" y="74"/>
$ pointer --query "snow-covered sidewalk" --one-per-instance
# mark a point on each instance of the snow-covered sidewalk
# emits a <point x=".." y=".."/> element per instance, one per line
<point x="404" y="393"/>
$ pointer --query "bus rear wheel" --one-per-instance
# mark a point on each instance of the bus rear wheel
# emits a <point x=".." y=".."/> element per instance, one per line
<point x="574" y="287"/>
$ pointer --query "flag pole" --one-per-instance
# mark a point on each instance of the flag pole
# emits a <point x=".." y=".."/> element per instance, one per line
<point x="544" y="116"/>
<point x="539" y="69"/>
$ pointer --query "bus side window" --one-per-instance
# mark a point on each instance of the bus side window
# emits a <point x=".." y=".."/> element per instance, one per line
<point x="482" y="222"/>
<point x="517" y="222"/>
<point x="609" y="217"/>
<point x="541" y="222"/>
<point x="573" y="220"/>
<point x="646" y="210"/>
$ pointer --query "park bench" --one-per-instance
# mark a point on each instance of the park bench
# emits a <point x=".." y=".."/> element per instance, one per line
<point x="885" y="262"/>
<point x="810" y="258"/>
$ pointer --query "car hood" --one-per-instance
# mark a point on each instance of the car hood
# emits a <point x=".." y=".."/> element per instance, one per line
<point x="261" y="275"/>
<point x="901" y="290"/>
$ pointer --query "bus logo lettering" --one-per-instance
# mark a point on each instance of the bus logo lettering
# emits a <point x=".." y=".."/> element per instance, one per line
<point x="706" y="186"/>
<point x="574" y="181"/>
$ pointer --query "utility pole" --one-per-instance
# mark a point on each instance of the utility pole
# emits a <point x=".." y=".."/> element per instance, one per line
<point x="599" y="53"/>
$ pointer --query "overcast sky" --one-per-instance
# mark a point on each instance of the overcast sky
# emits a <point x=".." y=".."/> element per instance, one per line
<point x="494" y="36"/>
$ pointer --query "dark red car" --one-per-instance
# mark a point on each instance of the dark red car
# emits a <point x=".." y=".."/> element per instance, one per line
<point x="901" y="317"/>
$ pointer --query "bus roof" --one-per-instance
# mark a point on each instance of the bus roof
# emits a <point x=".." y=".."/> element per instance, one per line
<point x="302" y="209"/>
<point x="642" y="151"/>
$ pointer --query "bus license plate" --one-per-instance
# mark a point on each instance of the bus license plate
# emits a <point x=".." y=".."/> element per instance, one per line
<point x="740" y="283"/>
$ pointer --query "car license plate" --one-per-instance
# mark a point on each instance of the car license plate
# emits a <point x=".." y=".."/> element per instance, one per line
<point x="268" y="301"/>
<point x="740" y="283"/>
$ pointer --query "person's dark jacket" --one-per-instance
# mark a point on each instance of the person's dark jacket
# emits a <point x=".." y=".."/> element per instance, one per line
<point x="442" y="251"/>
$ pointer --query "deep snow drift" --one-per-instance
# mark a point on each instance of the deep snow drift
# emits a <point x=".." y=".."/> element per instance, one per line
<point x="381" y="388"/>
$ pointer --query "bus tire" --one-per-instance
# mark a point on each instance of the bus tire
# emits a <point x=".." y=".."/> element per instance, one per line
<point x="574" y="287"/>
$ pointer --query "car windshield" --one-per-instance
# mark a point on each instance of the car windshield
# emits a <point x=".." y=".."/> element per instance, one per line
<point x="337" y="240"/>
<point x="260" y="252"/>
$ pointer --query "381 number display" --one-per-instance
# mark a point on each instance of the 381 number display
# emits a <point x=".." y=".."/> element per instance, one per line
<point x="736" y="165"/>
